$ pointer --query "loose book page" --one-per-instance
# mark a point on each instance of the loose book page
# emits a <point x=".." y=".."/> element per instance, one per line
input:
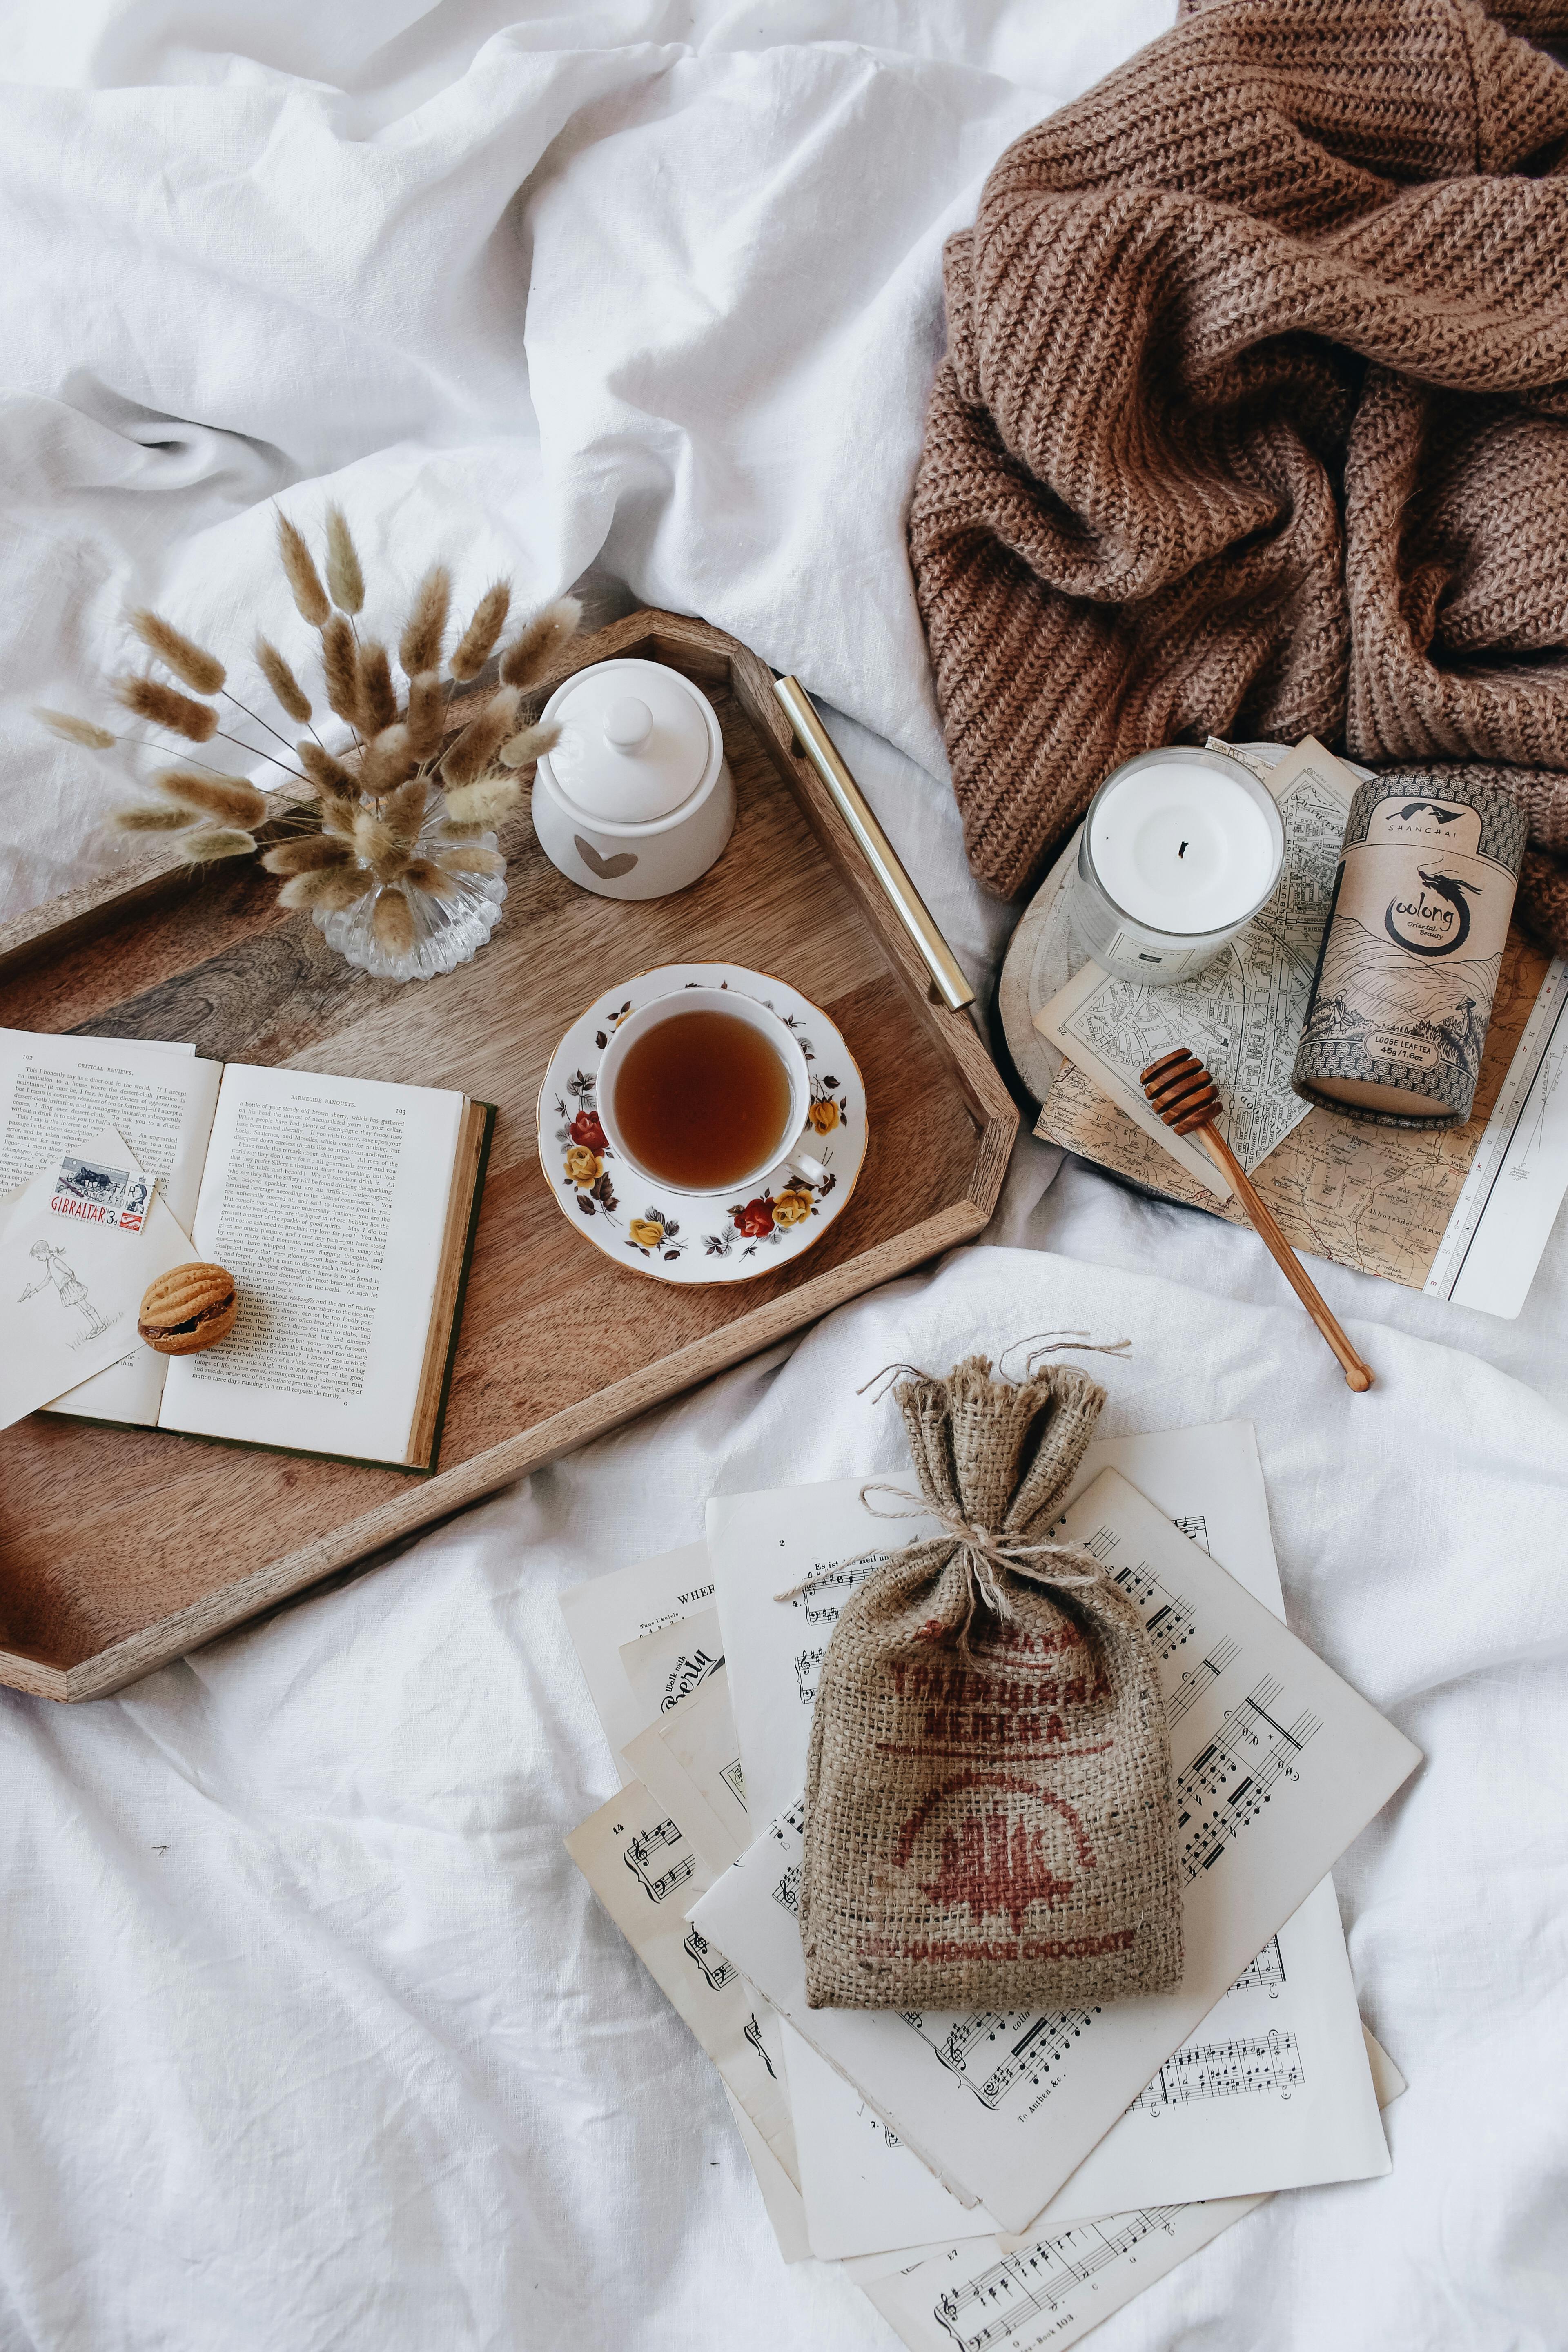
<point x="645" y="1870"/>
<point x="326" y="1198"/>
<point x="1278" y="1764"/>
<point x="79" y="1246"/>
<point x="610" y="1611"/>
<point x="57" y="1091"/>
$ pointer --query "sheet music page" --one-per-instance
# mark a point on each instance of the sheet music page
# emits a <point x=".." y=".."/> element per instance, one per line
<point x="326" y="1198"/>
<point x="1278" y="1764"/>
<point x="1050" y="2292"/>
<point x="1228" y="2123"/>
<point x="666" y="1665"/>
<point x="611" y="1611"/>
<point x="690" y="1760"/>
<point x="57" y="1091"/>
<point x="1016" y="2294"/>
<point x="645" y="1870"/>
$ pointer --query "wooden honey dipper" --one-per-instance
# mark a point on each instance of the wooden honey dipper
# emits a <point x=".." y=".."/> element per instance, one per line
<point x="1187" y="1099"/>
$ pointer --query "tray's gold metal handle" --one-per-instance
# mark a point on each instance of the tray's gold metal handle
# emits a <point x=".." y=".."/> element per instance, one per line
<point x="946" y="971"/>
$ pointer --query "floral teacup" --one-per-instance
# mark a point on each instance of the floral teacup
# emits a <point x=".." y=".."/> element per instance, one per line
<point x="803" y="1124"/>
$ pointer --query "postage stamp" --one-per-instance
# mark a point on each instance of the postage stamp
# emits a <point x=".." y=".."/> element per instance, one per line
<point x="98" y="1195"/>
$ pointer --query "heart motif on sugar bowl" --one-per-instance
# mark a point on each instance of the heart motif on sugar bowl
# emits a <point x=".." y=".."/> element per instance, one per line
<point x="606" y="868"/>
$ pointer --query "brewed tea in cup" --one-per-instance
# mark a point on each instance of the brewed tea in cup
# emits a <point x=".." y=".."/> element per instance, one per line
<point x="704" y="1091"/>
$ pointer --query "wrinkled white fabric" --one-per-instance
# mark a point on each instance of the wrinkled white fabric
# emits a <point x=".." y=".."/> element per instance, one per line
<point x="310" y="2034"/>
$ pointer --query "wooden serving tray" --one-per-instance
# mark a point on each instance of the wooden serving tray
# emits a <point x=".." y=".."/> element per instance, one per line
<point x="121" y="1549"/>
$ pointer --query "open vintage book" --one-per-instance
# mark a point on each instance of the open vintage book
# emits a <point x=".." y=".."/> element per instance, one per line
<point x="344" y="1209"/>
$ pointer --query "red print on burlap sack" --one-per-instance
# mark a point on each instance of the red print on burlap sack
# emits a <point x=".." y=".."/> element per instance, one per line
<point x="989" y="1821"/>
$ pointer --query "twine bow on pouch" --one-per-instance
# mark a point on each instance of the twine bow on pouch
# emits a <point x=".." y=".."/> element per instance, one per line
<point x="988" y="1820"/>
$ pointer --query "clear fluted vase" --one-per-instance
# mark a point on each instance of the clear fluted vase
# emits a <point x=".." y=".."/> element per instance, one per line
<point x="448" y="929"/>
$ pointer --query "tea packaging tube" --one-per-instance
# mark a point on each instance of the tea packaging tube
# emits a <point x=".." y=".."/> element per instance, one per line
<point x="1408" y="968"/>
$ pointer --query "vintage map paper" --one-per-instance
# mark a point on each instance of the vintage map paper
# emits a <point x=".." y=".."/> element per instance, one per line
<point x="1387" y="1201"/>
<point x="1243" y="1015"/>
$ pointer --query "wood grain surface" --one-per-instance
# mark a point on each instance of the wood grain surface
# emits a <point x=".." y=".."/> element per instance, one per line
<point x="121" y="1548"/>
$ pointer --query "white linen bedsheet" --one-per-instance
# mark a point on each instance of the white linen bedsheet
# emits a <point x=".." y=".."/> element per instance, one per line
<point x="310" y="2035"/>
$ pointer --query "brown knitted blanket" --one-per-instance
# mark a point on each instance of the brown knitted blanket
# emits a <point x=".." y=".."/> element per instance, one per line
<point x="1255" y="420"/>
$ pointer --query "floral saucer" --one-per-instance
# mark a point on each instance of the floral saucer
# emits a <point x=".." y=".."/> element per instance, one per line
<point x="704" y="1238"/>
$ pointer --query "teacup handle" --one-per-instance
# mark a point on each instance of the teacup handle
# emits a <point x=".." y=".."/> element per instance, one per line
<point x="800" y="1164"/>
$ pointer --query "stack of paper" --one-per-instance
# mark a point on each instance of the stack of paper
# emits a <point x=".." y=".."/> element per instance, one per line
<point x="1004" y="2179"/>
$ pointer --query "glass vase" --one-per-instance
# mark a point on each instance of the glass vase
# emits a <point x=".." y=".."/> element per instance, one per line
<point x="447" y="931"/>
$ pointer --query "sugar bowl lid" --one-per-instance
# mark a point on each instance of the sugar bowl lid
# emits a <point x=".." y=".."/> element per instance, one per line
<point x="635" y="742"/>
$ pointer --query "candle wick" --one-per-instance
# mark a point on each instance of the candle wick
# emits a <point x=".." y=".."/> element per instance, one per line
<point x="1182" y="851"/>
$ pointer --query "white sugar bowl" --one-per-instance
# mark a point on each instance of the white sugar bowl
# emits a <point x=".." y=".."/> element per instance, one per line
<point x="636" y="798"/>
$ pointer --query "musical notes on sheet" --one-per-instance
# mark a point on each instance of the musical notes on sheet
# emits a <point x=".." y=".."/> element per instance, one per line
<point x="785" y="1834"/>
<point x="1264" y="1974"/>
<point x="1246" y="2067"/>
<point x="1234" y="1775"/>
<point x="990" y="2308"/>
<point x="993" y="2055"/>
<point x="1197" y="1679"/>
<point x="1168" y="1615"/>
<point x="642" y="1857"/>
<point x="808" y="1667"/>
<point x="716" y="1970"/>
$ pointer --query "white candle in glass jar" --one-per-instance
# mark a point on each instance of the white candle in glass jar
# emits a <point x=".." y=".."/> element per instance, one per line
<point x="1180" y="848"/>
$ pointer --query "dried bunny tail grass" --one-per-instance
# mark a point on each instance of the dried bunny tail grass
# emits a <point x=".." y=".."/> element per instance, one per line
<point x="306" y="855"/>
<point x="151" y="820"/>
<point x="344" y="578"/>
<point x="376" y="846"/>
<point x="478" y="639"/>
<point x="427" y="714"/>
<point x="339" y="663"/>
<point x="529" y="744"/>
<point x="333" y="886"/>
<point x="481" y="739"/>
<point x="192" y="664"/>
<point x="484" y="803"/>
<point x="377" y="700"/>
<point x="219" y="841"/>
<point x="232" y="802"/>
<point x="72" y="730"/>
<point x="329" y="775"/>
<point x="392" y="922"/>
<point x="423" y="874"/>
<point x="546" y="636"/>
<point x="388" y="761"/>
<point x="338" y="816"/>
<point x="419" y="646"/>
<point x="304" y="580"/>
<point x="282" y="681"/>
<point x="197" y="721"/>
<point x="404" y="813"/>
<point x="469" y="857"/>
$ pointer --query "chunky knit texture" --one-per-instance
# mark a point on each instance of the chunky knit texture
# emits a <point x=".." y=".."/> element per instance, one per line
<point x="1255" y="419"/>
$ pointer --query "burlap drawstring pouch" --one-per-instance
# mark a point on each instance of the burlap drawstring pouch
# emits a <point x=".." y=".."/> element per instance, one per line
<point x="989" y="1821"/>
